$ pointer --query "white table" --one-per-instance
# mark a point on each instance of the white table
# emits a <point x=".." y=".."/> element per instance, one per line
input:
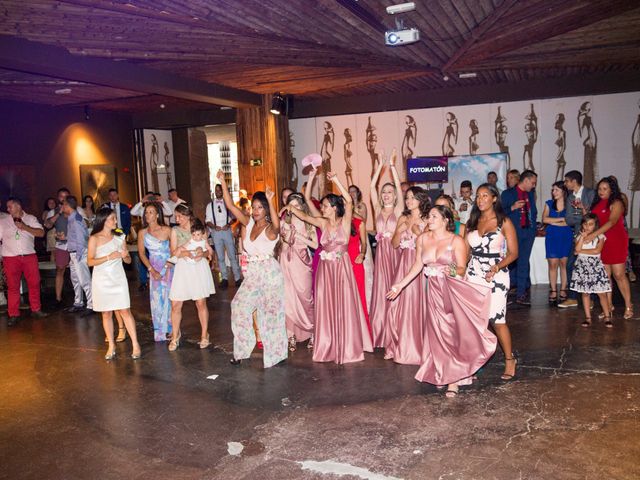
<point x="539" y="269"/>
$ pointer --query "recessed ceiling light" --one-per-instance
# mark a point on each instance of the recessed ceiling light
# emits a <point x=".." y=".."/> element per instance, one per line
<point x="63" y="91"/>
<point x="226" y="108"/>
<point x="468" y="75"/>
<point x="162" y="105"/>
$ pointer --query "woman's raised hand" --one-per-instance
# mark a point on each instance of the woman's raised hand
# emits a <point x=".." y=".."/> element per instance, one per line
<point x="220" y="176"/>
<point x="331" y="176"/>
<point x="393" y="158"/>
<point x="269" y="193"/>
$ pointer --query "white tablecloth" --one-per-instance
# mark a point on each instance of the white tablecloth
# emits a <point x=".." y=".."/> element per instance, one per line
<point x="539" y="269"/>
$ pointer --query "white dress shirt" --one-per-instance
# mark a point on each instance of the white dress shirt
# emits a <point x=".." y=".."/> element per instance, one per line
<point x="16" y="242"/>
<point x="464" y="214"/>
<point x="138" y="210"/>
<point x="172" y="206"/>
<point x="219" y="213"/>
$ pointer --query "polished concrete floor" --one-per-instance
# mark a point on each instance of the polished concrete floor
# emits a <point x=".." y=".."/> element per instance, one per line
<point x="573" y="411"/>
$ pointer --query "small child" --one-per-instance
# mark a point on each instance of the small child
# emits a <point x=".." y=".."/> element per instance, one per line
<point x="198" y="245"/>
<point x="589" y="275"/>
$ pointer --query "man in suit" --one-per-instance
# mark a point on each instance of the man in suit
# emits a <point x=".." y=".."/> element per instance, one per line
<point x="578" y="204"/>
<point x="123" y="214"/>
<point x="219" y="221"/>
<point x="520" y="205"/>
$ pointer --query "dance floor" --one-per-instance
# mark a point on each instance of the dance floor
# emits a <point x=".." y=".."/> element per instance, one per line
<point x="572" y="412"/>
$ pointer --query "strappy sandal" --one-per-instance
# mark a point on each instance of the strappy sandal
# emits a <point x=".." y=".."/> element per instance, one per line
<point x="602" y="316"/>
<point x="553" y="296"/>
<point x="563" y="296"/>
<point x="451" y="391"/>
<point x="586" y="322"/>
<point x="628" y="313"/>
<point x="506" y="376"/>
<point x="292" y="344"/>
<point x="607" y="322"/>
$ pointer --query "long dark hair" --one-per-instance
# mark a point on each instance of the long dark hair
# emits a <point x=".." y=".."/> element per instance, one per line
<point x="84" y="203"/>
<point x="358" y="192"/>
<point x="335" y="201"/>
<point x="474" y="216"/>
<point x="565" y="193"/>
<point x="101" y="218"/>
<point x="447" y="214"/>
<point x="615" y="192"/>
<point x="424" y="201"/>
<point x="183" y="209"/>
<point x="261" y="198"/>
<point x="158" y="208"/>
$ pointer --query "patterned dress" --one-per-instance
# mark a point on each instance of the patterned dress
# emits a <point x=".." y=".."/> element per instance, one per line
<point x="589" y="275"/>
<point x="486" y="251"/>
<point x="159" y="253"/>
<point x="263" y="291"/>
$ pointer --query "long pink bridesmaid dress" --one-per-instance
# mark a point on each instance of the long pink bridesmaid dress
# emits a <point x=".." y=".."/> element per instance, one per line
<point x="295" y="262"/>
<point x="406" y="314"/>
<point x="384" y="269"/>
<point x="341" y="331"/>
<point x="457" y="340"/>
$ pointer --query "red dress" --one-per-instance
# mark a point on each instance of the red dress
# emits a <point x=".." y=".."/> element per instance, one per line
<point x="616" y="247"/>
<point x="358" y="268"/>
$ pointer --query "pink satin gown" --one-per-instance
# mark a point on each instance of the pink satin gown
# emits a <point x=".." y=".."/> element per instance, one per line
<point x="295" y="262"/>
<point x="406" y="315"/>
<point x="384" y="269"/>
<point x="341" y="331"/>
<point x="457" y="341"/>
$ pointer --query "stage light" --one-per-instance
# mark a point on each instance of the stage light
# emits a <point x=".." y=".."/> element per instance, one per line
<point x="278" y="104"/>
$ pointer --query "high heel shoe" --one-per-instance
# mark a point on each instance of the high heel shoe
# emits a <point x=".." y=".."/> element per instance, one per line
<point x="602" y="316"/>
<point x="260" y="346"/>
<point x="204" y="343"/>
<point x="607" y="322"/>
<point x="292" y="344"/>
<point x="235" y="362"/>
<point x="110" y="356"/>
<point x="506" y="376"/>
<point x="628" y="313"/>
<point x="136" y="354"/>
<point x="122" y="335"/>
<point x="175" y="343"/>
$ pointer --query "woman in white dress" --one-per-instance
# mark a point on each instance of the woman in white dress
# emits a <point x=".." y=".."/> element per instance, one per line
<point x="106" y="252"/>
<point x="192" y="278"/>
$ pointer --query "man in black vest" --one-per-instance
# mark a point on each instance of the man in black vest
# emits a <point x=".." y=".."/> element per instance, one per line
<point x="219" y="221"/>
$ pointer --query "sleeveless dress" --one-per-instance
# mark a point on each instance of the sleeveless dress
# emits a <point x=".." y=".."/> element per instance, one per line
<point x="558" y="240"/>
<point x="192" y="279"/>
<point x="384" y="269"/>
<point x="616" y="247"/>
<point x="159" y="253"/>
<point x="262" y="291"/>
<point x="487" y="251"/>
<point x="358" y="269"/>
<point x="457" y="342"/>
<point x="108" y="282"/>
<point x="406" y="314"/>
<point x="295" y="262"/>
<point x="589" y="275"/>
<point x="341" y="330"/>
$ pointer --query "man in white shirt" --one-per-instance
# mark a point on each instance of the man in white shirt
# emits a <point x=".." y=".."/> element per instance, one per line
<point x="173" y="202"/>
<point x="464" y="204"/>
<point x="17" y="233"/>
<point x="219" y="221"/>
<point x="138" y="209"/>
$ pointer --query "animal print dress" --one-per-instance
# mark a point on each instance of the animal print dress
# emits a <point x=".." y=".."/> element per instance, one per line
<point x="486" y="251"/>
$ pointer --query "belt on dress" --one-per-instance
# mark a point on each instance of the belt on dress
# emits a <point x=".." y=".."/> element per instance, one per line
<point x="486" y="255"/>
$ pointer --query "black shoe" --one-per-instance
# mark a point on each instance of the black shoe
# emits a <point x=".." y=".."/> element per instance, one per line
<point x="224" y="283"/>
<point x="74" y="309"/>
<point x="238" y="283"/>
<point x="235" y="362"/>
<point x="523" y="300"/>
<point x="39" y="314"/>
<point x="58" y="305"/>
<point x="12" y="321"/>
<point x="142" y="287"/>
<point x="87" y="312"/>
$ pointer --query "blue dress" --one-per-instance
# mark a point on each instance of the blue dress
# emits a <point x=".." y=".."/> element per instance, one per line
<point x="558" y="241"/>
<point x="159" y="253"/>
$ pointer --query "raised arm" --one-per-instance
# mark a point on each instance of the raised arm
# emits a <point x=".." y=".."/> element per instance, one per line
<point x="348" y="202"/>
<point x="313" y="220"/>
<point x="375" y="200"/>
<point x="228" y="201"/>
<point x="308" y="196"/>
<point x="396" y="182"/>
<point x="411" y="274"/>
<point x="273" y="230"/>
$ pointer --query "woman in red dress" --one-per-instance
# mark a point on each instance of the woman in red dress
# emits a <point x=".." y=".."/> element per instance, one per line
<point x="609" y="207"/>
<point x="357" y="253"/>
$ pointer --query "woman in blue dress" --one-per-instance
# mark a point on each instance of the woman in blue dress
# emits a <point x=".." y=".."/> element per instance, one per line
<point x="154" y="237"/>
<point x="558" y="240"/>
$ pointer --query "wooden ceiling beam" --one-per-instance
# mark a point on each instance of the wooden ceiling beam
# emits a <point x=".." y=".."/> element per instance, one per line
<point x="32" y="57"/>
<point x="478" y="32"/>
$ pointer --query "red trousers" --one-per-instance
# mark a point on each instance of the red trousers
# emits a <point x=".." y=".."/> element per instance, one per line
<point x="14" y="268"/>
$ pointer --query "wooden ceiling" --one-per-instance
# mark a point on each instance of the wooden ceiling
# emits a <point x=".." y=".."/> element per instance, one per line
<point x="320" y="48"/>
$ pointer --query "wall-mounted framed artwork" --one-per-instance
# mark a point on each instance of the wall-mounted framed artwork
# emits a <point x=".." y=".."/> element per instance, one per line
<point x="96" y="180"/>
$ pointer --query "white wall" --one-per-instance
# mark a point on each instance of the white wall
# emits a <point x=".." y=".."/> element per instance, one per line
<point x="614" y="118"/>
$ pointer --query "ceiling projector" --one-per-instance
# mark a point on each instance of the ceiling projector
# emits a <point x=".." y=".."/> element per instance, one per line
<point x="401" y="37"/>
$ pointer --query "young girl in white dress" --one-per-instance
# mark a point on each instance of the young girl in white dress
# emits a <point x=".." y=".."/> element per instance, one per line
<point x="589" y="275"/>
<point x="106" y="252"/>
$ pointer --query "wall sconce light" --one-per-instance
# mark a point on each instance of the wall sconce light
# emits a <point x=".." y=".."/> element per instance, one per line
<point x="278" y="104"/>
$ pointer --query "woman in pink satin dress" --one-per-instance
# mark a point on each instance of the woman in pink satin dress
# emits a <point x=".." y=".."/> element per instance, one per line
<point x="295" y="261"/>
<point x="341" y="334"/>
<point x="406" y="314"/>
<point x="387" y="210"/>
<point x="457" y="339"/>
